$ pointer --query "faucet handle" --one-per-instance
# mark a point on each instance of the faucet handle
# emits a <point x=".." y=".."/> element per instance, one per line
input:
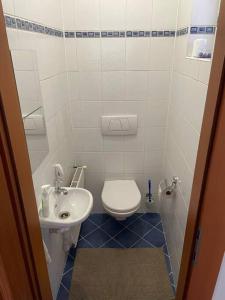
<point x="59" y="173"/>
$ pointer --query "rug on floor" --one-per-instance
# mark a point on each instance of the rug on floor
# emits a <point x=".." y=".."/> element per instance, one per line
<point x="120" y="274"/>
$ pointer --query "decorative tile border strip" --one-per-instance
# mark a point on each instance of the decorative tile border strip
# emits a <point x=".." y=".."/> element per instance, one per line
<point x="13" y="22"/>
<point x="21" y="24"/>
<point x="202" y="29"/>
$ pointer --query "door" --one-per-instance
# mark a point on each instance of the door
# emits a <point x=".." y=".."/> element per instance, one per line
<point x="210" y="247"/>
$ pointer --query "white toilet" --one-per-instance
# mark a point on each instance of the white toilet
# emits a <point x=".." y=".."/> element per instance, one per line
<point x="121" y="198"/>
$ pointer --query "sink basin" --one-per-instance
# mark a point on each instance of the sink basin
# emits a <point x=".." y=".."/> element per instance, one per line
<point x="67" y="210"/>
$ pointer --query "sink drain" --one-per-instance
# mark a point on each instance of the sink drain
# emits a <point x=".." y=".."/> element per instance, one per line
<point x="64" y="215"/>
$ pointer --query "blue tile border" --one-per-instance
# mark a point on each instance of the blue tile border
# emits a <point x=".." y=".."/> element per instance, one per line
<point x="21" y="24"/>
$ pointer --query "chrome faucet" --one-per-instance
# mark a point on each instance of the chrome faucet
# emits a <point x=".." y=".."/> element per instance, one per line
<point x="59" y="177"/>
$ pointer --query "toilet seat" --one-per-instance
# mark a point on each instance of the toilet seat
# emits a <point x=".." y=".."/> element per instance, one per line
<point x="121" y="196"/>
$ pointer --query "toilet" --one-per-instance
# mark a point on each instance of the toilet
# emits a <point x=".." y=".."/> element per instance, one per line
<point x="121" y="198"/>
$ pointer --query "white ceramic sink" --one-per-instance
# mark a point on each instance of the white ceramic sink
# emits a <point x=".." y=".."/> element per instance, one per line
<point x="67" y="210"/>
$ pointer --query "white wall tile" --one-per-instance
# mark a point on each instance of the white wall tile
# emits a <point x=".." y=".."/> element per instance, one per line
<point x="113" y="162"/>
<point x="86" y="114"/>
<point x="113" y="86"/>
<point x="113" y="54"/>
<point x="161" y="53"/>
<point x="87" y="140"/>
<point x="88" y="54"/>
<point x="94" y="161"/>
<point x="159" y="85"/>
<point x="133" y="162"/>
<point x="87" y="14"/>
<point x="164" y="14"/>
<point x="68" y="10"/>
<point x="71" y="54"/>
<point x="155" y="113"/>
<point x="8" y="6"/>
<point x="73" y="85"/>
<point x="113" y="14"/>
<point x="137" y="54"/>
<point x="139" y="14"/>
<point x="136" y="85"/>
<point x="89" y="85"/>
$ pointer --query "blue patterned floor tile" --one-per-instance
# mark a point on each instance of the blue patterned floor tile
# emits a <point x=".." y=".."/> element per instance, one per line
<point x="97" y="238"/>
<point x="112" y="227"/>
<point x="155" y="237"/>
<point x="159" y="226"/>
<point x="69" y="263"/>
<point x="142" y="244"/>
<point x="99" y="219"/>
<point x="87" y="227"/>
<point x="140" y="227"/>
<point x="66" y="279"/>
<point x="131" y="219"/>
<point x="152" y="218"/>
<point x="127" y="238"/>
<point x="112" y="244"/>
<point x="83" y="244"/>
<point x="72" y="251"/>
<point x="62" y="294"/>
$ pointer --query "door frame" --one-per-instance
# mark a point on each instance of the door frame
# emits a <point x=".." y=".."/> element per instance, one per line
<point x="23" y="268"/>
<point x="19" y="196"/>
<point x="210" y="119"/>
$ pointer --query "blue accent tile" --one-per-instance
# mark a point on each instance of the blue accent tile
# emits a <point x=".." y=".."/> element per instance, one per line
<point x="79" y="34"/>
<point x="122" y="34"/>
<point x="160" y="33"/>
<point x="127" y="238"/>
<point x="135" y="33"/>
<point x="155" y="237"/>
<point x="140" y="227"/>
<point x="87" y="227"/>
<point x="142" y="244"/>
<point x="66" y="279"/>
<point x="166" y="33"/>
<point x="69" y="34"/>
<point x="62" y="294"/>
<point x="154" y="33"/>
<point x="97" y="238"/>
<point x="201" y="30"/>
<point x="141" y="33"/>
<point x="97" y="34"/>
<point x="112" y="227"/>
<point x="152" y="218"/>
<point x="193" y="30"/>
<point x="172" y="33"/>
<point x="129" y="33"/>
<point x="84" y="244"/>
<point x="210" y="29"/>
<point x="103" y="34"/>
<point x="112" y="244"/>
<point x="91" y="34"/>
<point x="147" y="33"/>
<point x="99" y="219"/>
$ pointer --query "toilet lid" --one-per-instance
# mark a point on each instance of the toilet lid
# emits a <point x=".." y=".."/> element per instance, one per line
<point x="121" y="195"/>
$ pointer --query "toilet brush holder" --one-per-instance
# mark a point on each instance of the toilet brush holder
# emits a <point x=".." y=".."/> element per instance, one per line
<point x="149" y="196"/>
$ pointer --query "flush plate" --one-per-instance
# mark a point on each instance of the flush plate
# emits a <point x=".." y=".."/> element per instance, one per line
<point x="119" y="125"/>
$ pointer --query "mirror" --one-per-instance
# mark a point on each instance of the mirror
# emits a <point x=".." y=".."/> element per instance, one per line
<point x="29" y="91"/>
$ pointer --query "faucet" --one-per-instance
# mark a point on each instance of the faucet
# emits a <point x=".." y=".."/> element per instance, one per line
<point x="59" y="177"/>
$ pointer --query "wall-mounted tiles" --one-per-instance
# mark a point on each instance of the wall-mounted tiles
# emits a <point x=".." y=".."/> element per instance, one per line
<point x="139" y="14"/>
<point x="140" y="46"/>
<point x="87" y="14"/>
<point x="113" y="54"/>
<point x="113" y="14"/>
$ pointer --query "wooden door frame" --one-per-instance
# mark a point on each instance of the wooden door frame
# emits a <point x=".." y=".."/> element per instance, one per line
<point x="22" y="268"/>
<point x="19" y="198"/>
<point x="210" y="119"/>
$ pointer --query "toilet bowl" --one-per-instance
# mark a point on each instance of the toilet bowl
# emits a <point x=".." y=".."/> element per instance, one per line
<point x="121" y="198"/>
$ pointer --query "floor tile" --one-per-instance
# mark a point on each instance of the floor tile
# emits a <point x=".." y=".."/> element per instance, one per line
<point x="62" y="294"/>
<point x="131" y="219"/>
<point x="155" y="237"/>
<point x="83" y="244"/>
<point x="66" y="279"/>
<point x="69" y="263"/>
<point x="87" y="227"/>
<point x="72" y="251"/>
<point x="97" y="238"/>
<point x="159" y="226"/>
<point x="168" y="265"/>
<point x="152" y="218"/>
<point x="112" y="227"/>
<point x="112" y="244"/>
<point x="141" y="244"/>
<point x="99" y="219"/>
<point x="140" y="227"/>
<point x="127" y="238"/>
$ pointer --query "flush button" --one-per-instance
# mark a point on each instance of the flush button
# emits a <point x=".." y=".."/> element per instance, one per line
<point x="119" y="125"/>
<point x="115" y="125"/>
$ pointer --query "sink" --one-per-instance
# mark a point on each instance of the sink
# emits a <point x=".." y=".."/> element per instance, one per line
<point x="67" y="210"/>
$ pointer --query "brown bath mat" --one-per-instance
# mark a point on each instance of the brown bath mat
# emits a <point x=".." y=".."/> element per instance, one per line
<point x="120" y="274"/>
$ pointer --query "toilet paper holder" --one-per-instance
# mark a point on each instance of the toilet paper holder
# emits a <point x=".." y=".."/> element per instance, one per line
<point x="170" y="188"/>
